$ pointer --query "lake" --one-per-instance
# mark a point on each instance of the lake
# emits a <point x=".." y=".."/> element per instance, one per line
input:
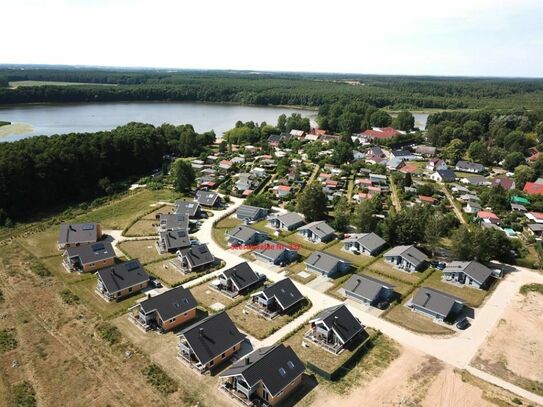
<point x="49" y="119"/>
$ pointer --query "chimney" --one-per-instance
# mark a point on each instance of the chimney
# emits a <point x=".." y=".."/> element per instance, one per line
<point x="247" y="361"/>
<point x="148" y="295"/>
<point x="201" y="332"/>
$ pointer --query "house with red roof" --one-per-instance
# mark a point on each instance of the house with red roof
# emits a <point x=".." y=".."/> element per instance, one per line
<point x="379" y="133"/>
<point x="426" y="199"/>
<point x="537" y="217"/>
<point x="488" y="217"/>
<point x="533" y="188"/>
<point x="504" y="182"/>
<point x="282" y="191"/>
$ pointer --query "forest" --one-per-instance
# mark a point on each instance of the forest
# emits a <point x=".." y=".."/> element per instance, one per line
<point x="302" y="89"/>
<point x="41" y="173"/>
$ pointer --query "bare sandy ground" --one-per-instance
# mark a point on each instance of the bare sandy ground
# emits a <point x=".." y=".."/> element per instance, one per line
<point x="15" y="128"/>
<point x="516" y="343"/>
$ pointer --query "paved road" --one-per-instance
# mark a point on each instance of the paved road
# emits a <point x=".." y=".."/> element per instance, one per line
<point x="457" y="350"/>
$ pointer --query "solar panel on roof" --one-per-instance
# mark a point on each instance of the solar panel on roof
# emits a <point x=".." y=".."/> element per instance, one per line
<point x="190" y="205"/>
<point x="203" y="249"/>
<point x="97" y="247"/>
<point x="282" y="371"/>
<point x="132" y="266"/>
<point x="290" y="364"/>
<point x="88" y="226"/>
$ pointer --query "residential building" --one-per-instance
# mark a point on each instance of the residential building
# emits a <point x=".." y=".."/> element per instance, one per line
<point x="404" y="155"/>
<point x="188" y="208"/>
<point x="244" y="235"/>
<point x="121" y="280"/>
<point x="170" y="241"/>
<point x="533" y="188"/>
<point x="282" y="191"/>
<point x="195" y="258"/>
<point x="251" y="213"/>
<point x="470" y="273"/>
<point x="89" y="257"/>
<point x="210" y="342"/>
<point x="275" y="253"/>
<point x="368" y="290"/>
<point x="264" y="377"/>
<point x="365" y="243"/>
<point x="377" y="133"/>
<point x="172" y="221"/>
<point x="288" y="221"/>
<point x="488" y="217"/>
<point x="317" y="232"/>
<point x="238" y="280"/>
<point x="406" y="258"/>
<point x="443" y="176"/>
<point x="436" y="304"/>
<point x="76" y="234"/>
<point x="476" y="180"/>
<point x="472" y="207"/>
<point x="167" y="310"/>
<point x="277" y="298"/>
<point x="468" y="166"/>
<point x="435" y="164"/>
<point x="208" y="198"/>
<point x="536" y="229"/>
<point x="326" y="264"/>
<point x="536" y="217"/>
<point x="379" y="179"/>
<point x="504" y="182"/>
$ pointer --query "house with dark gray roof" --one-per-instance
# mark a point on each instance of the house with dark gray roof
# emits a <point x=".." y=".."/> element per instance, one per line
<point x="326" y="264"/>
<point x="210" y="342"/>
<point x="275" y="253"/>
<point x="122" y="280"/>
<point x="436" y="304"/>
<point x="251" y="213"/>
<point x="167" y="310"/>
<point x="170" y="241"/>
<point x="406" y="258"/>
<point x="195" y="258"/>
<point x="172" y="221"/>
<point x="365" y="243"/>
<point x="446" y="175"/>
<point x="244" y="235"/>
<point x="89" y="257"/>
<point x="317" y="232"/>
<point x="76" y="234"/>
<point x="237" y="280"/>
<point x="265" y="376"/>
<point x="470" y="273"/>
<point x="335" y="328"/>
<point x="468" y="166"/>
<point x="277" y="298"/>
<point x="190" y="208"/>
<point x="368" y="290"/>
<point x="208" y="198"/>
<point x="288" y="221"/>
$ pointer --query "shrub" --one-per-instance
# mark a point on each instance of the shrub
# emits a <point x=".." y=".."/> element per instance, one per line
<point x="39" y="269"/>
<point x="8" y="341"/>
<point x="24" y="395"/>
<point x="109" y="333"/>
<point x="68" y="297"/>
<point x="160" y="379"/>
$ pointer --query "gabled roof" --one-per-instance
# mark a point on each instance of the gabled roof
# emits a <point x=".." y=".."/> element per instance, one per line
<point x="319" y="228"/>
<point x="243" y="232"/>
<point x="247" y="211"/>
<point x="275" y="366"/>
<point x="271" y="249"/>
<point x="370" y="241"/>
<point x="92" y="253"/>
<point x="435" y="301"/>
<point x="533" y="188"/>
<point x="207" y="197"/>
<point x="504" y="182"/>
<point x="408" y="253"/>
<point x="71" y="233"/>
<point x="365" y="286"/>
<point x="175" y="239"/>
<point x="171" y="221"/>
<point x="324" y="261"/>
<point x="212" y="336"/>
<point x="468" y="165"/>
<point x="290" y="219"/>
<point x="198" y="255"/>
<point x="487" y="215"/>
<point x="170" y="304"/>
<point x="189" y="208"/>
<point x="447" y="175"/>
<point x="285" y="292"/>
<point x="382" y="133"/>
<point x="242" y="275"/>
<point x="123" y="276"/>
<point x="473" y="269"/>
<point x="341" y="321"/>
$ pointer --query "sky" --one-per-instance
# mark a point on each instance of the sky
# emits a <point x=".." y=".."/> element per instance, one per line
<point x="416" y="37"/>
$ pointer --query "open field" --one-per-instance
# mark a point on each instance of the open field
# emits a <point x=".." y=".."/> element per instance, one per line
<point x="383" y="268"/>
<point x="513" y="351"/>
<point x="359" y="260"/>
<point x="168" y="274"/>
<point x="206" y="296"/>
<point x="473" y="296"/>
<point x="144" y="250"/>
<point x="42" y="244"/>
<point x="416" y="322"/>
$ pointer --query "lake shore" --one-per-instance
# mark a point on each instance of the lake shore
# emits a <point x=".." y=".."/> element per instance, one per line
<point x="15" y="128"/>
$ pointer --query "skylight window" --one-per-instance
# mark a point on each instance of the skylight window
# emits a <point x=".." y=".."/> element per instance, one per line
<point x="282" y="371"/>
<point x="290" y="364"/>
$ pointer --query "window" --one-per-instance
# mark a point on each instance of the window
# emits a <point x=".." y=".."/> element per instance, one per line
<point x="282" y="371"/>
<point x="290" y="364"/>
<point x="234" y="348"/>
<point x="185" y="314"/>
<point x="211" y="363"/>
<point x="223" y="355"/>
<point x="130" y="290"/>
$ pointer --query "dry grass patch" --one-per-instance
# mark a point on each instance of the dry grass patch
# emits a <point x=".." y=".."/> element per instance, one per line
<point x="295" y="238"/>
<point x="219" y="237"/>
<point x="416" y="322"/>
<point x="42" y="244"/>
<point x="167" y="273"/>
<point x="206" y="296"/>
<point x="359" y="260"/>
<point x="294" y="269"/>
<point x="144" y="250"/>
<point x="229" y="222"/>
<point x="143" y="227"/>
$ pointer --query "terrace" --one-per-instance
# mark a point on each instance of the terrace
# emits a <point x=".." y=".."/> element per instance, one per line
<point x="321" y="340"/>
<point x="239" y="392"/>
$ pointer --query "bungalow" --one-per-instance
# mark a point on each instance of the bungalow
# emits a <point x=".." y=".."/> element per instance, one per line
<point x="468" y="198"/>
<point x="188" y="208"/>
<point x="520" y="200"/>
<point x="225" y="165"/>
<point x="518" y="208"/>
<point x="468" y="166"/>
<point x="275" y="253"/>
<point x="288" y="221"/>
<point x="238" y="160"/>
<point x="275" y="139"/>
<point x="379" y="179"/>
<point x="504" y="182"/>
<point x="426" y="200"/>
<point x="282" y="191"/>
<point x="167" y="310"/>
<point x="277" y="298"/>
<point x="74" y="234"/>
<point x="326" y="264"/>
<point x="244" y="182"/>
<point x="472" y="207"/>
<point x="536" y="217"/>
<point x="404" y="155"/>
<point x="172" y="221"/>
<point x="533" y="188"/>
<point x="297" y="133"/>
<point x="395" y="163"/>
<point x="368" y="290"/>
<point x="436" y="304"/>
<point x="335" y="328"/>
<point x="406" y="258"/>
<point x="366" y="243"/>
<point x="210" y="342"/>
<point x="317" y="232"/>
<point x="251" y="213"/>
<point x="244" y="235"/>
<point x="206" y="198"/>
<point x="170" y="241"/>
<point x="470" y="273"/>
<point x="195" y="258"/>
<point x="488" y="217"/>
<point x="121" y="280"/>
<point x="443" y="176"/>
<point x="536" y="229"/>
<point x="264" y="377"/>
<point x="237" y="280"/>
<point x="89" y="257"/>
<point x="459" y="189"/>
<point x="435" y="164"/>
<point x="383" y="133"/>
<point x="427" y="151"/>
<point x="259" y="172"/>
<point x="311" y="137"/>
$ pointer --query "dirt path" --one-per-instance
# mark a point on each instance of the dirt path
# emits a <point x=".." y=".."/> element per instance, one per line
<point x="394" y="193"/>
<point x="457" y="211"/>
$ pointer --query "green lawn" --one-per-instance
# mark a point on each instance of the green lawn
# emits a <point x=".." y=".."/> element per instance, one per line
<point x="359" y="260"/>
<point x="473" y="296"/>
<point x="385" y="269"/>
<point x="144" y="250"/>
<point x="228" y="222"/>
<point x="42" y="244"/>
<point x="416" y="322"/>
<point x="399" y="287"/>
<point x="295" y="238"/>
<point x="169" y="274"/>
<point x="219" y="237"/>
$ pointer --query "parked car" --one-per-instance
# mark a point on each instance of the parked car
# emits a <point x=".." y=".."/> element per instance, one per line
<point x="463" y="324"/>
<point x="155" y="283"/>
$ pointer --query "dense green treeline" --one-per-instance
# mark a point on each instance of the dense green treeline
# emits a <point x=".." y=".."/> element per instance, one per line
<point x="306" y="89"/>
<point x="40" y="173"/>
